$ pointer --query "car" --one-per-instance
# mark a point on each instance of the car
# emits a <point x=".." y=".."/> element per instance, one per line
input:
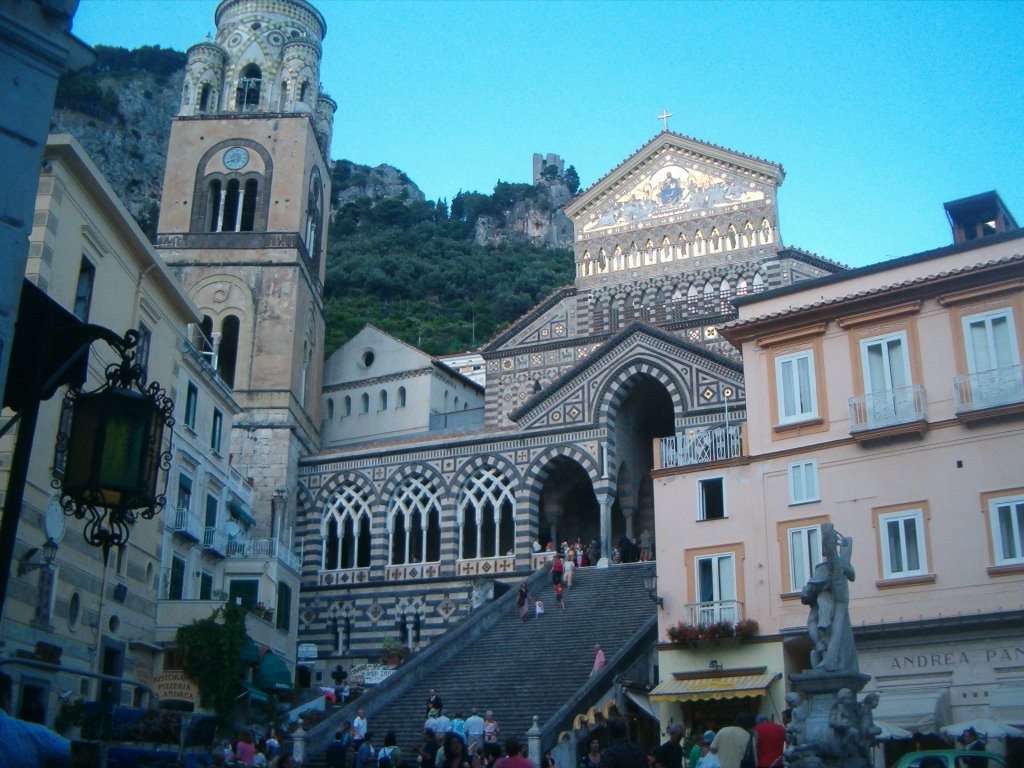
<point x="951" y="758"/>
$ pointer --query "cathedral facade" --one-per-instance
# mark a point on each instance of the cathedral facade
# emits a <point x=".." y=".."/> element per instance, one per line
<point x="402" y="537"/>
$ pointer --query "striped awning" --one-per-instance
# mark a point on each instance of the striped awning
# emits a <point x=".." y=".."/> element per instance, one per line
<point x="716" y="687"/>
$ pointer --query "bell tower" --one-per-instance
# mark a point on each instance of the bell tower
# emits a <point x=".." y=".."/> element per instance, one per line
<point x="242" y="225"/>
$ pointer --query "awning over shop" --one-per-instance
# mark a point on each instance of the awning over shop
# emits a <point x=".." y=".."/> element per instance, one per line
<point x="238" y="510"/>
<point x="919" y="711"/>
<point x="250" y="653"/>
<point x="273" y="674"/>
<point x="714" y="687"/>
<point x="1007" y="704"/>
<point x="643" y="703"/>
<point x="256" y="696"/>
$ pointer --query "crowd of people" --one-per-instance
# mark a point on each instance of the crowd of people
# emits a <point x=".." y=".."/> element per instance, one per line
<point x="627" y="550"/>
<point x="447" y="742"/>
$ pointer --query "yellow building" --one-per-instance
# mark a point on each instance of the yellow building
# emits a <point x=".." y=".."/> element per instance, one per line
<point x="87" y="254"/>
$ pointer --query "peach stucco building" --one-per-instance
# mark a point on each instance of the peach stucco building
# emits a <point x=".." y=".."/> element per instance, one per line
<point x="887" y="400"/>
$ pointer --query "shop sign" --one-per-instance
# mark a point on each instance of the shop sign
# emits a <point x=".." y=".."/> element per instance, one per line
<point x="174" y="685"/>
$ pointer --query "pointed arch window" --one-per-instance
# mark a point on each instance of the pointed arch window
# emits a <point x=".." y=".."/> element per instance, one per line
<point x="247" y="217"/>
<point x="383" y="400"/>
<point x="227" y="354"/>
<point x="365" y="403"/>
<point x="282" y="104"/>
<point x="247" y="97"/>
<point x="401" y="397"/>
<point x="330" y="408"/>
<point x="486" y="515"/>
<point x="414" y="523"/>
<point x="205" y="97"/>
<point x="214" y="201"/>
<point x="346" y="530"/>
<point x="348" y="406"/>
<point x="304" y="92"/>
<point x="314" y="218"/>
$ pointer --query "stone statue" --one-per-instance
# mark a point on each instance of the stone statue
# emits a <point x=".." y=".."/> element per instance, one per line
<point x="829" y="727"/>
<point x="827" y="593"/>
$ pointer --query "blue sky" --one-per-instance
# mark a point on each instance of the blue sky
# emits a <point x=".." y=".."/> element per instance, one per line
<point x="879" y="112"/>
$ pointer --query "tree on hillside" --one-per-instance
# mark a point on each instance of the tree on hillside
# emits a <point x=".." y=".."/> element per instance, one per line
<point x="572" y="179"/>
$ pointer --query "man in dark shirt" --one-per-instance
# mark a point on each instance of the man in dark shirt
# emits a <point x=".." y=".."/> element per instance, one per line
<point x="336" y="755"/>
<point x="434" y="702"/>
<point x="670" y="754"/>
<point x="621" y="753"/>
<point x="428" y="750"/>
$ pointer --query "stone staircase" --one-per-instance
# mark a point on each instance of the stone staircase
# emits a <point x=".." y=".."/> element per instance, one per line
<point x="516" y="669"/>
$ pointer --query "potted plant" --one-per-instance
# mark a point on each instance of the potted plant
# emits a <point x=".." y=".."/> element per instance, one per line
<point x="746" y="629"/>
<point x="719" y="630"/>
<point x="393" y="652"/>
<point x="684" y="633"/>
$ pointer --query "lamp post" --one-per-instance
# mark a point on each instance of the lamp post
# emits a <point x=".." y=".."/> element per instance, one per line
<point x="115" y="451"/>
<point x="651" y="584"/>
<point x="50" y="345"/>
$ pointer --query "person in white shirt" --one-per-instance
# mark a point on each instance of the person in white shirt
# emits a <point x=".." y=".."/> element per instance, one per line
<point x="359" y="726"/>
<point x="474" y="728"/>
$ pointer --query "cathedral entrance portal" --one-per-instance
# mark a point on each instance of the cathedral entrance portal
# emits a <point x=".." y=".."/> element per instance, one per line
<point x="568" y="506"/>
<point x="645" y="413"/>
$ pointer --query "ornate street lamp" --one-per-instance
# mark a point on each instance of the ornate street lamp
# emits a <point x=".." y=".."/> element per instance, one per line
<point x="115" y="450"/>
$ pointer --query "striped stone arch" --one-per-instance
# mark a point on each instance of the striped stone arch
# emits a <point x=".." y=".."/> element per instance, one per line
<point x="417" y="468"/>
<point x="349" y="477"/>
<point x="537" y="472"/>
<point x="613" y="391"/>
<point x="509" y="469"/>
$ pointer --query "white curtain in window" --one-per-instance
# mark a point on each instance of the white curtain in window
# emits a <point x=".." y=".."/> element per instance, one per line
<point x="991" y="343"/>
<point x="1010" y="522"/>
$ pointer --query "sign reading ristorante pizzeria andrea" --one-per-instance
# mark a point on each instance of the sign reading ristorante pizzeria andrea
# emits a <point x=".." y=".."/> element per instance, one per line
<point x="174" y="685"/>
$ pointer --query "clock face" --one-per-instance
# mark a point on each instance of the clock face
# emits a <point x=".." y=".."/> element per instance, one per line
<point x="236" y="158"/>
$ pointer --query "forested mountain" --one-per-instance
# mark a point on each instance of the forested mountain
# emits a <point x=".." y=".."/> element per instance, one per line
<point x="443" y="279"/>
<point x="414" y="270"/>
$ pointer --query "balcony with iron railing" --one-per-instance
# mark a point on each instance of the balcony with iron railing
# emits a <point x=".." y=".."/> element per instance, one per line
<point x="714" y="611"/>
<point x="889" y="412"/>
<point x="185" y="524"/>
<point x="262" y="549"/>
<point x="701" y="446"/>
<point x="989" y="393"/>
<point x="215" y="541"/>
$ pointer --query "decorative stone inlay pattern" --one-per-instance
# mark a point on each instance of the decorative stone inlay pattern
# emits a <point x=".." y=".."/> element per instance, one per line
<point x="485" y="566"/>
<point x="345" y="577"/>
<point x="417" y="571"/>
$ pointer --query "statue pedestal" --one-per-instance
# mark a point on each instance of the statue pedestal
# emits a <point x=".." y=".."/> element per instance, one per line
<point x="828" y="724"/>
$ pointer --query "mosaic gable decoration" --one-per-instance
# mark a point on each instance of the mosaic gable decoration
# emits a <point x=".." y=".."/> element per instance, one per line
<point x="677" y="188"/>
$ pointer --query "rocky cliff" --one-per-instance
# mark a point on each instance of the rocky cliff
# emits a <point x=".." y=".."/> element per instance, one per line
<point x="537" y="220"/>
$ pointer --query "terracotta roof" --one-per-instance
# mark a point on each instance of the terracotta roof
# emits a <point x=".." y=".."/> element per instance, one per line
<point x="678" y="136"/>
<point x="869" y="292"/>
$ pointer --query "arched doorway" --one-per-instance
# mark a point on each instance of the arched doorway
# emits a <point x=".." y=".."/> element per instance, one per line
<point x="568" y="507"/>
<point x="645" y="412"/>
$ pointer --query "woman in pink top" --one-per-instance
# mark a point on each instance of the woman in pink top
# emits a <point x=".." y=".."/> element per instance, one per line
<point x="245" y="750"/>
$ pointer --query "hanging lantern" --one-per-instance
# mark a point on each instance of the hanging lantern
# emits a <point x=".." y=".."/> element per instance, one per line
<point x="114" y="451"/>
